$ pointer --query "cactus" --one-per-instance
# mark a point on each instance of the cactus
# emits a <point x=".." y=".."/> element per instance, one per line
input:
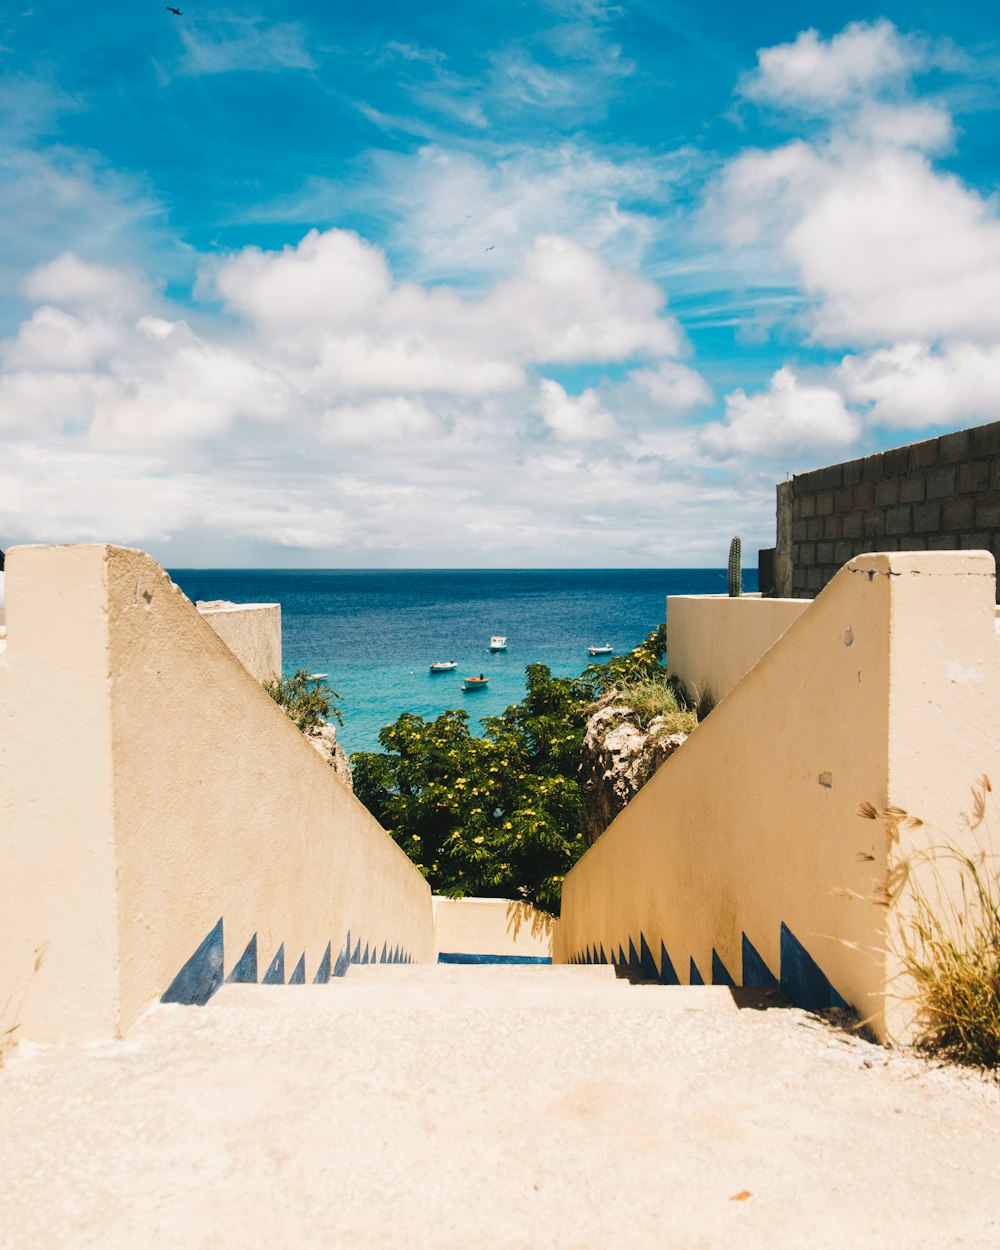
<point x="735" y="568"/>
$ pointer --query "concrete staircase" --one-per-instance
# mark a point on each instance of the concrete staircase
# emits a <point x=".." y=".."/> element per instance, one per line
<point x="488" y="986"/>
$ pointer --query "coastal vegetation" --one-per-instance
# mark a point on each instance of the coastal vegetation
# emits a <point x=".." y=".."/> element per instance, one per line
<point x="308" y="702"/>
<point x="498" y="815"/>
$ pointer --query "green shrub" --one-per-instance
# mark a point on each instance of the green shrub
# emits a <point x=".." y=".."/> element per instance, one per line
<point x="499" y="815"/>
<point x="309" y="703"/>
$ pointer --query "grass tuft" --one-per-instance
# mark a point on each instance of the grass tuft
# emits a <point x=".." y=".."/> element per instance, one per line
<point x="649" y="699"/>
<point x="948" y="937"/>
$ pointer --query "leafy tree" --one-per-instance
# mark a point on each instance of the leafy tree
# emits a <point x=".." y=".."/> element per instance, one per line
<point x="498" y="815"/>
<point x="308" y="702"/>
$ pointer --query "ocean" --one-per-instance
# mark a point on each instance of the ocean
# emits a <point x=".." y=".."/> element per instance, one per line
<point x="375" y="632"/>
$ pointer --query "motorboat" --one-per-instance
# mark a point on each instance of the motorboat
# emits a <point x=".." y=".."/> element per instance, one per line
<point x="475" y="683"/>
<point x="498" y="643"/>
<point x="318" y="676"/>
<point x="607" y="649"/>
<point x="444" y="666"/>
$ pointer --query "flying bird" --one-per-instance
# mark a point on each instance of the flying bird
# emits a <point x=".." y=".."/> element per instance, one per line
<point x="171" y="9"/>
<point x="491" y="247"/>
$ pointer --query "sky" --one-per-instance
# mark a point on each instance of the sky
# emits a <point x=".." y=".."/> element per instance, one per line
<point x="522" y="284"/>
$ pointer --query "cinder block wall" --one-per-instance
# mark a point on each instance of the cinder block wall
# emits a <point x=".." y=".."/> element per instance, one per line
<point x="939" y="495"/>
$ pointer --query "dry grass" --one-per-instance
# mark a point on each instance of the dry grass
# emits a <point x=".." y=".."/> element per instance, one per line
<point x="948" y="935"/>
<point x="648" y="700"/>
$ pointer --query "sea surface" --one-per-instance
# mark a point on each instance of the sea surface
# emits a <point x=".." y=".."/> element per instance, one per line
<point x="375" y="632"/>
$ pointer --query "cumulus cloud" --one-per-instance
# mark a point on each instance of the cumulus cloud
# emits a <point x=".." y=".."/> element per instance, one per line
<point x="574" y="418"/>
<point x="813" y="74"/>
<point x="913" y="386"/>
<point x="789" y="416"/>
<point x="887" y="246"/>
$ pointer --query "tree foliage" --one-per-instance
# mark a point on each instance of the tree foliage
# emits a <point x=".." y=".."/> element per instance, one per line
<point x="497" y="815"/>
<point x="307" y="701"/>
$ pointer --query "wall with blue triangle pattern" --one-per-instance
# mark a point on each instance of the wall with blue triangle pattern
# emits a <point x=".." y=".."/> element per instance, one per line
<point x="204" y="972"/>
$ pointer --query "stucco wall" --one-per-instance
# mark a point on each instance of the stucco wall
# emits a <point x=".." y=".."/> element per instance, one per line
<point x="492" y="926"/>
<point x="252" y="631"/>
<point x="150" y="790"/>
<point x="744" y="857"/>
<point x="712" y="640"/>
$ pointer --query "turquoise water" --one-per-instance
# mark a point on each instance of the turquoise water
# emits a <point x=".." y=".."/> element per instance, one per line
<point x="375" y="632"/>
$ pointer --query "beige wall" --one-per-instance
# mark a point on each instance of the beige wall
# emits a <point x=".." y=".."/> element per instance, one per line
<point x="713" y="640"/>
<point x="150" y="787"/>
<point x="252" y="631"/>
<point x="492" y="926"/>
<point x="887" y="689"/>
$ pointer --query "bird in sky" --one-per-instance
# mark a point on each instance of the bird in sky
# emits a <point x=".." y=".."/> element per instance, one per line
<point x="491" y="247"/>
<point x="171" y="9"/>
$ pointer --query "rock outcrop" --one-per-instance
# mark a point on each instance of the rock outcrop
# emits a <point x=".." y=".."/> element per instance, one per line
<point x="324" y="739"/>
<point x="618" y="758"/>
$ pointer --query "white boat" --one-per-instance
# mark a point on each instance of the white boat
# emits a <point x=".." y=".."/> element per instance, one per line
<point x="318" y="676"/>
<point x="607" y="649"/>
<point x="444" y="666"/>
<point x="498" y="643"/>
<point x="475" y="683"/>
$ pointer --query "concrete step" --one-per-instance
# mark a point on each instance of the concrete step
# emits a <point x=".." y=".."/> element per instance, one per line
<point x="440" y="995"/>
<point x="463" y="974"/>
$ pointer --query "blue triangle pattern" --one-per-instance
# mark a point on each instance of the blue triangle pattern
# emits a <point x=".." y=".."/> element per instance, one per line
<point x="720" y="973"/>
<point x="298" y="976"/>
<point x="275" y="975"/>
<point x="323" y="971"/>
<point x="203" y="973"/>
<point x="245" y="969"/>
<point x="633" y="957"/>
<point x="695" y="978"/>
<point x="647" y="964"/>
<point x="343" y="958"/>
<point x="802" y="979"/>
<point x="384" y="953"/>
<point x="356" y="957"/>
<point x="755" y="970"/>
<point x="364" y="957"/>
<point x="668" y="975"/>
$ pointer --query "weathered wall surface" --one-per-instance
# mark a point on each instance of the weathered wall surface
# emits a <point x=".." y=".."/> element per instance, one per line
<point x="744" y="858"/>
<point x="184" y="831"/>
<point x="939" y="495"/>
<point x="492" y="926"/>
<point x="252" y="631"/>
<point x="713" y="641"/>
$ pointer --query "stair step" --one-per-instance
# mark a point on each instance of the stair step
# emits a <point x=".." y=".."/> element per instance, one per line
<point x="450" y="993"/>
<point x="520" y="974"/>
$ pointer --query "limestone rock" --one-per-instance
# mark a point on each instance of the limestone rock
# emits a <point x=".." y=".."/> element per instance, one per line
<point x="324" y="739"/>
<point x="618" y="758"/>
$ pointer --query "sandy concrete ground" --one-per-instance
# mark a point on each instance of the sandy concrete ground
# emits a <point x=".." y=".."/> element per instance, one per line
<point x="462" y="1109"/>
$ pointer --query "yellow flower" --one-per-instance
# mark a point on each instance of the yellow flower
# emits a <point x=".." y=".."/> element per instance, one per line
<point x="479" y="841"/>
<point x="508" y="825"/>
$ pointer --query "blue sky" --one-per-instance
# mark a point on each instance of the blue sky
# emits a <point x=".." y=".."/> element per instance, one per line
<point x="564" y="283"/>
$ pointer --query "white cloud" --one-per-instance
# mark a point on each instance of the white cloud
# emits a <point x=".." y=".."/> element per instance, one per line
<point x="813" y="74"/>
<point x="672" y="389"/>
<point x="788" y="417"/>
<point x="574" y="418"/>
<point x="886" y="246"/>
<point x="71" y="283"/>
<point x="912" y="386"/>
<point x="235" y="42"/>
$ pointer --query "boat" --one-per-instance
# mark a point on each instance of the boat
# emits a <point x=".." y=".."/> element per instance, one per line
<point x="318" y="676"/>
<point x="444" y="666"/>
<point x="498" y="643"/>
<point x="607" y="649"/>
<point x="475" y="683"/>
